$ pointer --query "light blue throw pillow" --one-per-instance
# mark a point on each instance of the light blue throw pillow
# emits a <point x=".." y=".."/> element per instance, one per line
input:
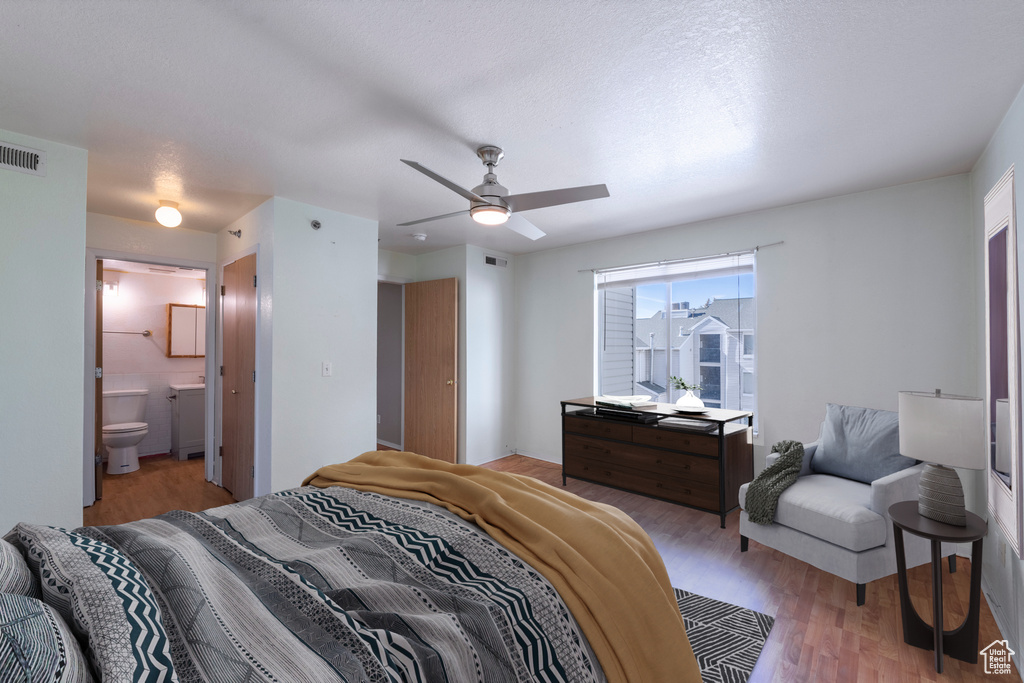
<point x="862" y="444"/>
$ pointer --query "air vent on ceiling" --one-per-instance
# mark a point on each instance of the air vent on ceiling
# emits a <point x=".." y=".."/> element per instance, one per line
<point x="22" y="159"/>
<point x="495" y="261"/>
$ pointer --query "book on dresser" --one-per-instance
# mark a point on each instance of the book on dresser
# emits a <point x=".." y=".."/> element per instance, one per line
<point x="699" y="460"/>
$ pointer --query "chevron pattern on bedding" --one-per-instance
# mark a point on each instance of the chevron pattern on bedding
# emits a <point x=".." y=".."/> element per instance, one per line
<point x="104" y="599"/>
<point x="338" y="584"/>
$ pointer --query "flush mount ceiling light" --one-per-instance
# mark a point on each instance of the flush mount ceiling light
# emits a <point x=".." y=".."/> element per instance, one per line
<point x="168" y="215"/>
<point x="490" y="214"/>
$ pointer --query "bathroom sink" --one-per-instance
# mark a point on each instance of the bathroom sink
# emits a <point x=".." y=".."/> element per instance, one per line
<point x="180" y="387"/>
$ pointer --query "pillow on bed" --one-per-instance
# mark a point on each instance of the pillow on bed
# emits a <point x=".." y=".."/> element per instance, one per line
<point x="104" y="599"/>
<point x="36" y="644"/>
<point x="15" y="576"/>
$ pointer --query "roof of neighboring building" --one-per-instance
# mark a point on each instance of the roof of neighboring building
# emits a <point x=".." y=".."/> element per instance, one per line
<point x="733" y="313"/>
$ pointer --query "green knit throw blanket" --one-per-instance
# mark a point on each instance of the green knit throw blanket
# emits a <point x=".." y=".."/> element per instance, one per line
<point x="763" y="493"/>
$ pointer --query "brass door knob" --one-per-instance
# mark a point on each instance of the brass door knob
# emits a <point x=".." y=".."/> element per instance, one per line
<point x="233" y="391"/>
<point x="451" y="382"/>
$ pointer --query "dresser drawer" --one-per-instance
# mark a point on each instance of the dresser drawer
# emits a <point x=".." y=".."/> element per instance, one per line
<point x="650" y="462"/>
<point x="679" y="490"/>
<point x="705" y="444"/>
<point x="605" y="429"/>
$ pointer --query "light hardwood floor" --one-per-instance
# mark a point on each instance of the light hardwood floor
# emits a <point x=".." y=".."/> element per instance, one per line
<point x="160" y="485"/>
<point x="820" y="633"/>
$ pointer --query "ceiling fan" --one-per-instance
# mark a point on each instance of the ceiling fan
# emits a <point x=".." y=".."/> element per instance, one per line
<point x="491" y="204"/>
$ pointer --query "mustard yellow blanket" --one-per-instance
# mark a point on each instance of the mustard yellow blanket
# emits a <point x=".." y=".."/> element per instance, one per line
<point x="603" y="564"/>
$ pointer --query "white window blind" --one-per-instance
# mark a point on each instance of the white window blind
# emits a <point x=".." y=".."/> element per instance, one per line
<point x="675" y="271"/>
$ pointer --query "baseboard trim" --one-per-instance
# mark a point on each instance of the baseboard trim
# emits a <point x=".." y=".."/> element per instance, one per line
<point x="537" y="456"/>
<point x="1000" y="618"/>
<point x="397" y="447"/>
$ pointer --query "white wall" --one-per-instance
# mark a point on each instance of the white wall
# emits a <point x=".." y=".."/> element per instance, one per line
<point x="325" y="309"/>
<point x="489" y="431"/>
<point x="122" y="235"/>
<point x="393" y="266"/>
<point x="1003" y="573"/>
<point x="317" y="293"/>
<point x="870" y="294"/>
<point x="42" y="239"/>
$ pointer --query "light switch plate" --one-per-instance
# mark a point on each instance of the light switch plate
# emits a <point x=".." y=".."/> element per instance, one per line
<point x="326" y="369"/>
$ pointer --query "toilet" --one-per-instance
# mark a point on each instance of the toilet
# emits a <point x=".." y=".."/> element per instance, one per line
<point x="123" y="428"/>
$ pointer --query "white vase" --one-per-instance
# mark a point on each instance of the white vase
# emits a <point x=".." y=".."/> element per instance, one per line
<point x="688" y="400"/>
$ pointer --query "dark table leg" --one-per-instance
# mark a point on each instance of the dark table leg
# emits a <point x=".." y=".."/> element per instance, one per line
<point x="962" y="642"/>
<point x="937" y="603"/>
<point x="915" y="631"/>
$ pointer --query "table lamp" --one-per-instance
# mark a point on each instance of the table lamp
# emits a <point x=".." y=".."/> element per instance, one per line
<point x="944" y="431"/>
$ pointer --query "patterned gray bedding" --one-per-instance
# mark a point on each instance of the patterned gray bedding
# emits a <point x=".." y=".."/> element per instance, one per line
<point x="304" y="585"/>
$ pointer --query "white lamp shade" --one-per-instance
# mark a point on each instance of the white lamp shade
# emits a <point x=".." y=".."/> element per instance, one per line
<point x="943" y="429"/>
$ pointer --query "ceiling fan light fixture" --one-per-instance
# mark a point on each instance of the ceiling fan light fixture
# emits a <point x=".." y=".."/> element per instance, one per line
<point x="490" y="214"/>
<point x="168" y="215"/>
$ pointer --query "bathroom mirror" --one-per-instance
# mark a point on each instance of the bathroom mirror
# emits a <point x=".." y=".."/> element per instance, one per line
<point x="1002" y="335"/>
<point x="186" y="331"/>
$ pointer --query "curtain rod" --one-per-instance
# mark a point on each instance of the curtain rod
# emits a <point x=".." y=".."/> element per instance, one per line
<point x="678" y="260"/>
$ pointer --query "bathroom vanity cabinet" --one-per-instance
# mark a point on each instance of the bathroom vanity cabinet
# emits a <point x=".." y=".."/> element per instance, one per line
<point x="188" y="419"/>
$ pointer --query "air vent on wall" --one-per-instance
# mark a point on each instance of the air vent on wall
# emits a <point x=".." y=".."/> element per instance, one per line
<point x="22" y="159"/>
<point x="495" y="261"/>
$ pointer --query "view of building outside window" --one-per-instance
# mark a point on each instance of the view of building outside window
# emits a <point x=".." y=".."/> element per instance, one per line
<point x="699" y="330"/>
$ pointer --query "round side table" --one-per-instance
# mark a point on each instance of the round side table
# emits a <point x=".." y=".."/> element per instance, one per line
<point x="962" y="642"/>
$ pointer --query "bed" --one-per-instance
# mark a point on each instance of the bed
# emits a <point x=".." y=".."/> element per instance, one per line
<point x="389" y="568"/>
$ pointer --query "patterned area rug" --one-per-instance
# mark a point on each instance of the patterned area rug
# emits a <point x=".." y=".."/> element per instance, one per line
<point x="726" y="639"/>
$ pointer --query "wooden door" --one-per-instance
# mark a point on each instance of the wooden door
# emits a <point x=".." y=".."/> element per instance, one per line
<point x="431" y="368"/>
<point x="98" y="413"/>
<point x="238" y="384"/>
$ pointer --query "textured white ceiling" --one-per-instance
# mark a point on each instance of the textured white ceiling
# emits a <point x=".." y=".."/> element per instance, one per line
<point x="686" y="110"/>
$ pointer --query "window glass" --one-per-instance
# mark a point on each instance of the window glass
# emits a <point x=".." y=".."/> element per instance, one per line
<point x="659" y="324"/>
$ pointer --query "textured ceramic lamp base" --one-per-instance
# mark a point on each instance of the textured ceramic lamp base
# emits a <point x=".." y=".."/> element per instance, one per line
<point x="941" y="496"/>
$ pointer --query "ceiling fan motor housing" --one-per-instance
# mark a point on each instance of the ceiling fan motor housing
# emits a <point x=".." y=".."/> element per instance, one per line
<point x="491" y="190"/>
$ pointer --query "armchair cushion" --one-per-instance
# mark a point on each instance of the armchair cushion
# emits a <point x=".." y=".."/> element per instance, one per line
<point x="861" y="444"/>
<point x="831" y="508"/>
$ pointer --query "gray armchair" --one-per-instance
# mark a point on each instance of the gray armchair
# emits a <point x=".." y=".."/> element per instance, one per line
<point x="838" y="524"/>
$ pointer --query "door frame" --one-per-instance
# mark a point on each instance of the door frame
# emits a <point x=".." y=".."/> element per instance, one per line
<point x="400" y="282"/>
<point x="89" y="416"/>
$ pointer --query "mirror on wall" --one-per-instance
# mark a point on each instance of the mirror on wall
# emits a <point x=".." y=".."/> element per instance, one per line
<point x="186" y="331"/>
<point x="1003" y="361"/>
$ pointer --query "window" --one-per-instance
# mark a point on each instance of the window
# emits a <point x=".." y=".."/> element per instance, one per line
<point x="693" y="319"/>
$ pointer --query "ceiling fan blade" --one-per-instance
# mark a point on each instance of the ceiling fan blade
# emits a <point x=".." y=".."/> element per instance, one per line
<point x="444" y="181"/>
<point x="568" y="195"/>
<point x="524" y="227"/>
<point x="435" y="218"/>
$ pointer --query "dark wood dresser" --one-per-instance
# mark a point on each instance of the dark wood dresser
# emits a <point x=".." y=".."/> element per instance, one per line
<point x="701" y="464"/>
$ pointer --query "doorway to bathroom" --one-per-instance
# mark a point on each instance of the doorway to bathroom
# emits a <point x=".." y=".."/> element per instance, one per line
<point x="151" y="337"/>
